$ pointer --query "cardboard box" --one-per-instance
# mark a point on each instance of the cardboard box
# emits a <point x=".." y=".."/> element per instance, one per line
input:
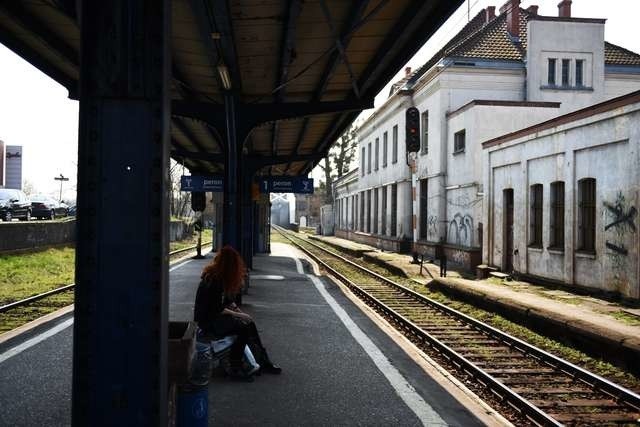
<point x="182" y="346"/>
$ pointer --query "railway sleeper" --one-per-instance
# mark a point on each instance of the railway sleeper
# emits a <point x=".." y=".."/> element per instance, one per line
<point x="588" y="418"/>
<point x="577" y="403"/>
<point x="537" y="381"/>
<point x="574" y="392"/>
<point x="517" y="371"/>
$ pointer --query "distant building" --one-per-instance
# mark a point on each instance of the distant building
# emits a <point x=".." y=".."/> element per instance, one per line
<point x="280" y="210"/>
<point x="308" y="207"/>
<point x="10" y="166"/>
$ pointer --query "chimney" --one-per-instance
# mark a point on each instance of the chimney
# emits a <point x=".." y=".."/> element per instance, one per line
<point x="407" y="71"/>
<point x="489" y="13"/>
<point x="564" y="9"/>
<point x="512" y="10"/>
<point x="533" y="9"/>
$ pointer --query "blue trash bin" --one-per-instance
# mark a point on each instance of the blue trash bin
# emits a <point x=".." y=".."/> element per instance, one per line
<point x="193" y="406"/>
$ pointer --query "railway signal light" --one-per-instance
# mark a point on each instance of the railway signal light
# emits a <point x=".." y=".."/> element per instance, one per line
<point x="412" y="130"/>
<point x="198" y="201"/>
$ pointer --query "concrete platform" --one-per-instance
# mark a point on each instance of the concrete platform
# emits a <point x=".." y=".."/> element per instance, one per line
<point x="592" y="324"/>
<point x="339" y="367"/>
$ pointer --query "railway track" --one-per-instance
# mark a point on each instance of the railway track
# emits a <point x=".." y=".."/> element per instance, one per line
<point x="34" y="306"/>
<point x="539" y="386"/>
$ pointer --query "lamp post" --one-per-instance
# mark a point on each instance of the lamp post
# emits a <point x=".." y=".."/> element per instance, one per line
<point x="61" y="178"/>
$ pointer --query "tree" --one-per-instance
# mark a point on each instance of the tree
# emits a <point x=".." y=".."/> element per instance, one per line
<point x="179" y="201"/>
<point x="339" y="159"/>
<point x="28" y="188"/>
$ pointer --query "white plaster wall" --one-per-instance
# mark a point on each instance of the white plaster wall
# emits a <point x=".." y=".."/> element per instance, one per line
<point x="460" y="220"/>
<point x="617" y="84"/>
<point x="393" y="114"/>
<point x="605" y="147"/>
<point x="464" y="84"/>
<point x="569" y="40"/>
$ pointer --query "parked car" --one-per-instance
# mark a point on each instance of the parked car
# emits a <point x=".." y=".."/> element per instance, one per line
<point x="14" y="204"/>
<point x="46" y="207"/>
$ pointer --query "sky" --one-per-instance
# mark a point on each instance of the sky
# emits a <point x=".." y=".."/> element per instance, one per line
<point x="36" y="113"/>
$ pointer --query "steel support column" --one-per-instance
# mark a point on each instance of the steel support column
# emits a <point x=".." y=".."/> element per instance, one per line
<point x="121" y="301"/>
<point x="246" y="215"/>
<point x="232" y="177"/>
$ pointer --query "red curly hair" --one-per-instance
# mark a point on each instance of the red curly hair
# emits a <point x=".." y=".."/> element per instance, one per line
<point x="227" y="267"/>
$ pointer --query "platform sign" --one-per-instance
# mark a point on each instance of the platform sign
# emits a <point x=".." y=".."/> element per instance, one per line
<point x="197" y="183"/>
<point x="285" y="184"/>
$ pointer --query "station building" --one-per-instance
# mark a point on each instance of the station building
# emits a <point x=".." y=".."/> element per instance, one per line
<point x="562" y="198"/>
<point x="498" y="75"/>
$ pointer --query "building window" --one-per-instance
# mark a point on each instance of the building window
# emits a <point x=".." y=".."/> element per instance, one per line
<point x="587" y="215"/>
<point x="362" y="211"/>
<point x="385" y="146"/>
<point x="535" y="219"/>
<point x="383" y="226"/>
<point x="377" y="153"/>
<point x="394" y="209"/>
<point x="565" y="72"/>
<point x="423" y="208"/>
<point x="369" y="201"/>
<point x="369" y="160"/>
<point x="579" y="72"/>
<point x="556" y="223"/>
<point x="362" y="162"/>
<point x="394" y="143"/>
<point x="353" y="213"/>
<point x="375" y="210"/>
<point x="425" y="132"/>
<point x="459" y="141"/>
<point x="551" y="72"/>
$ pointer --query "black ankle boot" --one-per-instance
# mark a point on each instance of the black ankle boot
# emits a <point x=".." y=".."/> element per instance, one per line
<point x="270" y="368"/>
<point x="238" y="373"/>
<point x="267" y="366"/>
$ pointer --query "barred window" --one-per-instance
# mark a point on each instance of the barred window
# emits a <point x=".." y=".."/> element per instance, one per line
<point x="377" y="153"/>
<point x="369" y="201"/>
<point x="362" y="211"/>
<point x="425" y="133"/>
<point x="423" y="208"/>
<point x="383" y="225"/>
<point x="394" y="209"/>
<point x="535" y="219"/>
<point x="375" y="210"/>
<point x="587" y="215"/>
<point x="551" y="72"/>
<point x="565" y="71"/>
<point x="385" y="146"/>
<point x="394" y="148"/>
<point x="459" y="141"/>
<point x="579" y="72"/>
<point x="556" y="223"/>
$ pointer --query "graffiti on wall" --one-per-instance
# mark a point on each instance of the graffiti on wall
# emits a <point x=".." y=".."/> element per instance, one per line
<point x="620" y="221"/>
<point x="432" y="228"/>
<point x="461" y="230"/>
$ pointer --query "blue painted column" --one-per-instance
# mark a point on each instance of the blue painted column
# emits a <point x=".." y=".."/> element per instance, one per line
<point x="121" y="300"/>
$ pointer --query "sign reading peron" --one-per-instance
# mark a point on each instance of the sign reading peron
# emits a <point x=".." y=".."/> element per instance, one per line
<point x="201" y="183"/>
<point x="285" y="184"/>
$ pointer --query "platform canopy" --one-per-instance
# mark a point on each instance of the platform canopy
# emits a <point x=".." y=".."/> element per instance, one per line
<point x="301" y="70"/>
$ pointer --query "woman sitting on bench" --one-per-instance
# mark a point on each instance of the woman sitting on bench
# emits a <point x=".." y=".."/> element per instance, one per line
<point x="218" y="316"/>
